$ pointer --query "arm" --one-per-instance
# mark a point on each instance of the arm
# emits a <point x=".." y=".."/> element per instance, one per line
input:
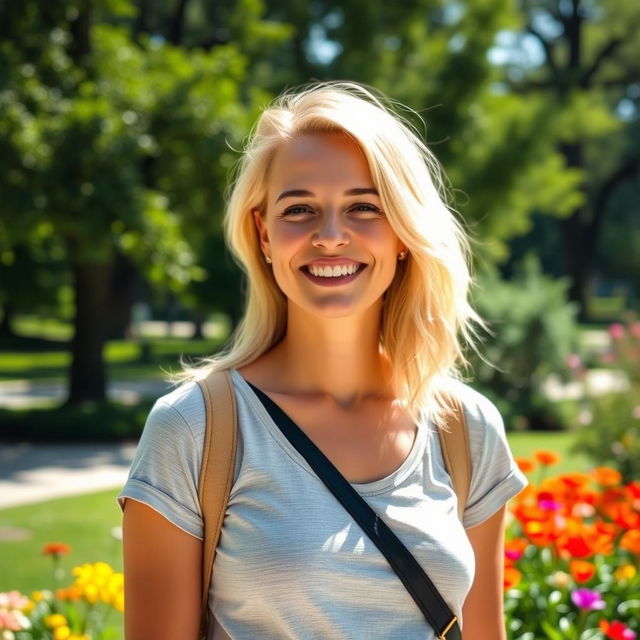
<point x="162" y="569"/>
<point x="483" y="610"/>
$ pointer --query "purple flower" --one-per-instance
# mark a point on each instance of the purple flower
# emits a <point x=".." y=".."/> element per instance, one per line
<point x="587" y="599"/>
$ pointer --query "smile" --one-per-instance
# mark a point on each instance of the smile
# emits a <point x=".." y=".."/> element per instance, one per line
<point x="333" y="272"/>
<point x="332" y="275"/>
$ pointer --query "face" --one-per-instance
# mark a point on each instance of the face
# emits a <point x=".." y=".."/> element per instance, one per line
<point x="333" y="251"/>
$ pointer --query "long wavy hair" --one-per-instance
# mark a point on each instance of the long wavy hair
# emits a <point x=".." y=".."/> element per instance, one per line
<point x="426" y="317"/>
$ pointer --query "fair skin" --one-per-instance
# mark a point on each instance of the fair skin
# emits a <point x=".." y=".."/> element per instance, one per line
<point x="328" y="373"/>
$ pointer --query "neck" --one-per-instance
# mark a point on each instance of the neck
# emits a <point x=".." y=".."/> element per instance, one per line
<point x="337" y="357"/>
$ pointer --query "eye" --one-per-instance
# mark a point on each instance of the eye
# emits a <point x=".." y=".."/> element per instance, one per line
<point x="296" y="210"/>
<point x="365" y="207"/>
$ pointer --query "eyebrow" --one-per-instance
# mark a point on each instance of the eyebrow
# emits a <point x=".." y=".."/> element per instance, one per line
<point x="303" y="193"/>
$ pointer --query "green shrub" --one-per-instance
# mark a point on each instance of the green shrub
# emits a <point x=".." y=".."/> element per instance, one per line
<point x="612" y="435"/>
<point x="534" y="331"/>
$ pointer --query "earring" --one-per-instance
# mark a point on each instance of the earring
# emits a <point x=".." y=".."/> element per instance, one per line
<point x="267" y="259"/>
<point x="402" y="255"/>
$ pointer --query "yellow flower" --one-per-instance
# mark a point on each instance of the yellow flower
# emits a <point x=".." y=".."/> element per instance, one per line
<point x="118" y="601"/>
<point x="625" y="572"/>
<point x="55" y="620"/>
<point x="62" y="633"/>
<point x="29" y="607"/>
<point x="38" y="596"/>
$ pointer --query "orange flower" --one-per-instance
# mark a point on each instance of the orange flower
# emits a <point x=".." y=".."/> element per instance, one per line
<point x="581" y="570"/>
<point x="540" y="533"/>
<point x="546" y="458"/>
<point x="56" y="549"/>
<point x="511" y="577"/>
<point x="631" y="541"/>
<point x="524" y="464"/>
<point x="623" y="514"/>
<point x="606" y="476"/>
<point x="585" y="540"/>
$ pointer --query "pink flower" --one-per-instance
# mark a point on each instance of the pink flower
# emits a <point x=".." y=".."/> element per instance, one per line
<point x="587" y="599"/>
<point x="574" y="362"/>
<point x="9" y="621"/>
<point x="616" y="331"/>
<point x="13" y="600"/>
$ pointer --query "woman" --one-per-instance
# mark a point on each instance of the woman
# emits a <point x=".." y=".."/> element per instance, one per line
<point x="356" y="315"/>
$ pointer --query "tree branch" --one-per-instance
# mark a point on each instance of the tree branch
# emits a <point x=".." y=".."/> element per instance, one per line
<point x="548" y="48"/>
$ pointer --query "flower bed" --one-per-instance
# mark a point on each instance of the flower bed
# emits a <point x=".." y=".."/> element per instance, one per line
<point x="79" y="611"/>
<point x="571" y="555"/>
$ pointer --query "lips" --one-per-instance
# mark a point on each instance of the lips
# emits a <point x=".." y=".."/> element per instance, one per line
<point x="332" y="272"/>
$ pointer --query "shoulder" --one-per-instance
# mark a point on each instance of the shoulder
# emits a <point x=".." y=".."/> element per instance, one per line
<point x="480" y="412"/>
<point x="180" y="409"/>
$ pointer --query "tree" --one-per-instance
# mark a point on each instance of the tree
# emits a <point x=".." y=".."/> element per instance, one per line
<point x="111" y="145"/>
<point x="588" y="71"/>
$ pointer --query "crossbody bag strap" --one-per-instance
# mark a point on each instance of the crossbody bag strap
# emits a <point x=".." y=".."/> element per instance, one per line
<point x="216" y="471"/>
<point x="454" y="442"/>
<point x="417" y="582"/>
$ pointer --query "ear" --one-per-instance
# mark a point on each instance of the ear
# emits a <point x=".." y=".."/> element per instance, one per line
<point x="263" y="235"/>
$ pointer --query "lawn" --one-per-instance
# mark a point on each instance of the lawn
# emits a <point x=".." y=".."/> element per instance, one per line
<point x="85" y="522"/>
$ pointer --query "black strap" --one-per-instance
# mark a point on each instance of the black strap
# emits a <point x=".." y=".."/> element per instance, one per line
<point x="416" y="581"/>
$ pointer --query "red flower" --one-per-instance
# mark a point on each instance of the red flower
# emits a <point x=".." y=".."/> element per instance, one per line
<point x="616" y="630"/>
<point x="581" y="570"/>
<point x="56" y="549"/>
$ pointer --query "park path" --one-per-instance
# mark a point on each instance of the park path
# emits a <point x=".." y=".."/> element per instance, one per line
<point x="32" y="472"/>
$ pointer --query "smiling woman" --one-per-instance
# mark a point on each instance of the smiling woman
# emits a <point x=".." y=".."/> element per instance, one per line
<point x="356" y="318"/>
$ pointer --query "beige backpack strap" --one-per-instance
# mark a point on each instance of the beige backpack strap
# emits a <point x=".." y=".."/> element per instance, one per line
<point x="216" y="471"/>
<point x="454" y="442"/>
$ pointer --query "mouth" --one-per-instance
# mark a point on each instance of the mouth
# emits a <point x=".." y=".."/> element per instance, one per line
<point x="330" y="275"/>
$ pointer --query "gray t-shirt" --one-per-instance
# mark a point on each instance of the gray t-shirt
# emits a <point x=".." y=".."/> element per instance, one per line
<point x="291" y="562"/>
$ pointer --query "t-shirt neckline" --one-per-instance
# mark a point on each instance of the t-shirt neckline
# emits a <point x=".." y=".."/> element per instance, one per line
<point x="364" y="488"/>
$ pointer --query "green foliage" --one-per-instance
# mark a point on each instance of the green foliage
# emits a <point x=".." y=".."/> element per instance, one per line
<point x="612" y="435"/>
<point x="94" y="422"/>
<point x="533" y="331"/>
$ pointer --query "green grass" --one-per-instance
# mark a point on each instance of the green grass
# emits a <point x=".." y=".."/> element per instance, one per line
<point x="50" y="361"/>
<point x="524" y="443"/>
<point x="84" y="522"/>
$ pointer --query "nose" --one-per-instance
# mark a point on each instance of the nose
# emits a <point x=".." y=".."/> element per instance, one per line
<point x="330" y="232"/>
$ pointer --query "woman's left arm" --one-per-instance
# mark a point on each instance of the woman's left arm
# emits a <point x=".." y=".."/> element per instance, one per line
<point x="483" y="610"/>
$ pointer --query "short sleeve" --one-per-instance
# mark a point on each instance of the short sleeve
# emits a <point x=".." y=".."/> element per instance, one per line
<point x="495" y="476"/>
<point x="165" y="469"/>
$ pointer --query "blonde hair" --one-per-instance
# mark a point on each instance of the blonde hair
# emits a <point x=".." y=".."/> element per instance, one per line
<point x="426" y="317"/>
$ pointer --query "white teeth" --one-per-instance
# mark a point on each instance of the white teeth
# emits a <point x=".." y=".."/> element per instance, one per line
<point x="333" y="272"/>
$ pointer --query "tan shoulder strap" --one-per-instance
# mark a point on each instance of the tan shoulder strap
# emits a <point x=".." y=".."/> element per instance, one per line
<point x="454" y="442"/>
<point x="216" y="471"/>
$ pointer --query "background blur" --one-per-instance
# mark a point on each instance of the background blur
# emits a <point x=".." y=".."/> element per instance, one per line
<point x="120" y="121"/>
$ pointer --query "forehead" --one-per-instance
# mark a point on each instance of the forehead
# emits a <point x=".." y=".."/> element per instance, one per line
<point x="319" y="159"/>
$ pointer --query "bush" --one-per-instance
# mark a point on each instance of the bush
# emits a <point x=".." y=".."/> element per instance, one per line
<point x="99" y="421"/>
<point x="534" y="331"/>
<point x="612" y="435"/>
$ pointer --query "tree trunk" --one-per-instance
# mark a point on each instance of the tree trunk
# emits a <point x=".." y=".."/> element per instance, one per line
<point x="578" y="243"/>
<point x="6" y="324"/>
<point x="87" y="379"/>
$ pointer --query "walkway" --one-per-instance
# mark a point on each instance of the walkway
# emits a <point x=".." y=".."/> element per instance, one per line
<point x="36" y="472"/>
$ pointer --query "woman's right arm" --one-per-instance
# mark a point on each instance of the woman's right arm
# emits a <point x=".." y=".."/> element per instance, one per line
<point x="162" y="576"/>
